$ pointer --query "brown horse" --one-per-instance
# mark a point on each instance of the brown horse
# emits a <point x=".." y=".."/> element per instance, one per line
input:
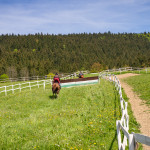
<point x="55" y="89"/>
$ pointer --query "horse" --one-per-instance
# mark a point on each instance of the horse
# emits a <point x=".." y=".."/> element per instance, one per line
<point x="55" y="89"/>
<point x="81" y="76"/>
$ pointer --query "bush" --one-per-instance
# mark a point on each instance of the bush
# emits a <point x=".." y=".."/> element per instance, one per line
<point x="4" y="76"/>
<point x="96" y="67"/>
<point x="50" y="75"/>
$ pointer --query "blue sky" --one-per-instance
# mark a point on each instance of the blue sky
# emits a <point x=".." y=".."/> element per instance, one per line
<point x="74" y="16"/>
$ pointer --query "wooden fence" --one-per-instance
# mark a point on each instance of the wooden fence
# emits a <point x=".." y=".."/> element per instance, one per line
<point x="139" y="70"/>
<point x="123" y="124"/>
<point x="20" y="86"/>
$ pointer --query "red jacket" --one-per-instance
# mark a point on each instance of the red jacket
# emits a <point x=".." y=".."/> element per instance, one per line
<point x="56" y="79"/>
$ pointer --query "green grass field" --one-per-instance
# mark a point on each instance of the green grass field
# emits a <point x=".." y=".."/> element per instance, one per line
<point x="141" y="85"/>
<point x="81" y="118"/>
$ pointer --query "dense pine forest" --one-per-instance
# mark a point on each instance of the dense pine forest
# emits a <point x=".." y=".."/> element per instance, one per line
<point x="40" y="54"/>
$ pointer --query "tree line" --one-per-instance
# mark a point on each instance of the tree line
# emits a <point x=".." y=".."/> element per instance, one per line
<point x="40" y="54"/>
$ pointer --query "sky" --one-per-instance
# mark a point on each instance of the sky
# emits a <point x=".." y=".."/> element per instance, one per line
<point x="74" y="16"/>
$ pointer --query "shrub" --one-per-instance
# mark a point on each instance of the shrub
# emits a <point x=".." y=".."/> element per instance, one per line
<point x="4" y="76"/>
<point x="50" y="75"/>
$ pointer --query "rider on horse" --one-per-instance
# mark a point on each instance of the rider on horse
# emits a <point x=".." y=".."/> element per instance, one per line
<point x="56" y="79"/>
<point x="80" y="75"/>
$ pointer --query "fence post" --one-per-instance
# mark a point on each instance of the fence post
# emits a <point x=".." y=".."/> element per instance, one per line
<point x="13" y="89"/>
<point x="38" y="84"/>
<point x="5" y="91"/>
<point x="113" y="78"/>
<point x="29" y="85"/>
<point x="118" y="134"/>
<point x="146" y="70"/>
<point x="131" y="142"/>
<point x="110" y="77"/>
<point x="99" y="79"/>
<point x="75" y="74"/>
<point x="44" y="84"/>
<point x="20" y="87"/>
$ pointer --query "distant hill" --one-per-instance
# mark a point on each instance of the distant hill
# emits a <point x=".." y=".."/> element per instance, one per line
<point x="29" y="55"/>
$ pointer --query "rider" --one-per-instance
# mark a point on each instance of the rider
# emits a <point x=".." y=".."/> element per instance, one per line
<point x="56" y="79"/>
<point x="80" y="75"/>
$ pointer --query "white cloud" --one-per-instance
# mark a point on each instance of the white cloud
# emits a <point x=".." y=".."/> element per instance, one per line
<point x="75" y="17"/>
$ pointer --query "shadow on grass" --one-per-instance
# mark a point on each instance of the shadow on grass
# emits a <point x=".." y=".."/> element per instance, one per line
<point x="115" y="138"/>
<point x="53" y="97"/>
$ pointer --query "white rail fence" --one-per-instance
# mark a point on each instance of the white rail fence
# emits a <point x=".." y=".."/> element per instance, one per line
<point x="20" y="86"/>
<point x="24" y="79"/>
<point x="139" y="70"/>
<point x="63" y="76"/>
<point x="123" y="124"/>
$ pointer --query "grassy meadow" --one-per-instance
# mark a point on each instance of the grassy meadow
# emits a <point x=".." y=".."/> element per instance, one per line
<point x="81" y="118"/>
<point x="141" y="85"/>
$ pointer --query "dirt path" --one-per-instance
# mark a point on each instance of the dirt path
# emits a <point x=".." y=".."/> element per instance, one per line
<point x="140" y="111"/>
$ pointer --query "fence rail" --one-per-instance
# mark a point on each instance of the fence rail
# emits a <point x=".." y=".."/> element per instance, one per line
<point x="123" y="124"/>
<point x="63" y="76"/>
<point x="128" y="69"/>
<point x="20" y="86"/>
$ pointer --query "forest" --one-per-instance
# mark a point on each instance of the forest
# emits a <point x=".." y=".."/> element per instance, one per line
<point x="39" y="54"/>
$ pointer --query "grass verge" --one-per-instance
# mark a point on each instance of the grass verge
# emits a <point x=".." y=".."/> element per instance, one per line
<point x="81" y="118"/>
<point x="141" y="85"/>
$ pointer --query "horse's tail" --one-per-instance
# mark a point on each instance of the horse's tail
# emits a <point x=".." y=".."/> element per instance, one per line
<point x="56" y="88"/>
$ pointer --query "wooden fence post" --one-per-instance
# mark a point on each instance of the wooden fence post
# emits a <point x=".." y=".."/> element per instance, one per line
<point x="118" y="134"/>
<point x="131" y="142"/>
<point x="99" y="79"/>
<point x="5" y="90"/>
<point x="13" y="89"/>
<point x="38" y="84"/>
<point x="20" y="87"/>
<point x="29" y="85"/>
<point x="146" y="70"/>
<point x="44" y="84"/>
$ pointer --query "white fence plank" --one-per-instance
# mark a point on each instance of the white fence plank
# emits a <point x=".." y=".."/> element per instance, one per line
<point x="21" y="86"/>
<point x="142" y="139"/>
